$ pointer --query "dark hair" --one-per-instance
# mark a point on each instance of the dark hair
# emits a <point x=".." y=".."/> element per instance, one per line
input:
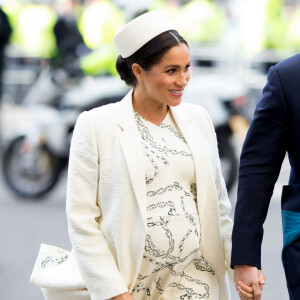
<point x="148" y="55"/>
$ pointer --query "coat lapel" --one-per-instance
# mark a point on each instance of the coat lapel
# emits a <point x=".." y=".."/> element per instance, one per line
<point x="196" y="141"/>
<point x="133" y="152"/>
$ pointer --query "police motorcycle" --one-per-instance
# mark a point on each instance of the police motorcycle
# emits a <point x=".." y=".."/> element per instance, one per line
<point x="39" y="151"/>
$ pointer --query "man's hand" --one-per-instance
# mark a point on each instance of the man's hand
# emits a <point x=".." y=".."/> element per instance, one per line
<point x="249" y="281"/>
<point x="125" y="296"/>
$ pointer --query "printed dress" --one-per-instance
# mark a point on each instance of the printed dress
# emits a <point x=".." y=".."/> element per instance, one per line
<point x="172" y="266"/>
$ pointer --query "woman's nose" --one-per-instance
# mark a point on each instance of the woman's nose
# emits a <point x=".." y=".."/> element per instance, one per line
<point x="182" y="79"/>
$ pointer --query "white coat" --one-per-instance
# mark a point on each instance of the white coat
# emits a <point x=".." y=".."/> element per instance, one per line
<point x="106" y="196"/>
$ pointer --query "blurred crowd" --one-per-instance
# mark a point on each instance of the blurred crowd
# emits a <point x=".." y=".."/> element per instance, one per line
<point x="77" y="35"/>
<point x="65" y="30"/>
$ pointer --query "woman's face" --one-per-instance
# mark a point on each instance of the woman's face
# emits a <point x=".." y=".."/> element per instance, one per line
<point x="165" y="82"/>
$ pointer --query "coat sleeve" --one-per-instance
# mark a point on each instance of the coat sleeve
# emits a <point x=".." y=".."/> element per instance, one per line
<point x="261" y="159"/>
<point x="96" y="263"/>
<point x="225" y="220"/>
<point x="224" y="203"/>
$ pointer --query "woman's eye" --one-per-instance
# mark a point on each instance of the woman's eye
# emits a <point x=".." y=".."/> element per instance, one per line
<point x="187" y="67"/>
<point x="171" y="71"/>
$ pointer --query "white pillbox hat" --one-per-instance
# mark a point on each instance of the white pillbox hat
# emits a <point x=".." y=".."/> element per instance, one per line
<point x="141" y="30"/>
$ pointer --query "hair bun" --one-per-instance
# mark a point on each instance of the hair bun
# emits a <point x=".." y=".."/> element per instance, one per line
<point x="125" y="71"/>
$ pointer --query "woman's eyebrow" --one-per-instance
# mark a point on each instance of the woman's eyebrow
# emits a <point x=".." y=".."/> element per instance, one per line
<point x="172" y="66"/>
<point x="176" y="66"/>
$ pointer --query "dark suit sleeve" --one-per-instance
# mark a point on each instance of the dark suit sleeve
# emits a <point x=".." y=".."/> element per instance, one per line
<point x="262" y="155"/>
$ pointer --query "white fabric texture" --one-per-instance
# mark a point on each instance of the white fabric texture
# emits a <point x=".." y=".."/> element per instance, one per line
<point x="106" y="196"/>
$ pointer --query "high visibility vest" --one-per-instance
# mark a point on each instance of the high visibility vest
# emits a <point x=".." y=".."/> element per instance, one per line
<point x="33" y="30"/>
<point x="201" y="21"/>
<point x="293" y="31"/>
<point x="101" y="61"/>
<point x="171" y="7"/>
<point x="99" y="23"/>
<point x="276" y="25"/>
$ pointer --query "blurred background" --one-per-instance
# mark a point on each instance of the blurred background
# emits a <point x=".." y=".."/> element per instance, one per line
<point x="57" y="59"/>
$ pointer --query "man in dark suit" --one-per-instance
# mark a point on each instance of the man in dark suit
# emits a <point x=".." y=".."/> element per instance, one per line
<point x="274" y="130"/>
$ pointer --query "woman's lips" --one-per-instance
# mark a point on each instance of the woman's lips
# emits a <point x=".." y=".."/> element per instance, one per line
<point x="176" y="93"/>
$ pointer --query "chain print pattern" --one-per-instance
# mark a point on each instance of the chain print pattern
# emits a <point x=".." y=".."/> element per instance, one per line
<point x="152" y="156"/>
<point x="146" y="136"/>
<point x="168" y="188"/>
<point x="140" y="277"/>
<point x="156" y="155"/>
<point x="190" y="292"/>
<point x="188" y="216"/>
<point x="158" y="286"/>
<point x="56" y="261"/>
<point x="197" y="263"/>
<point x="150" y="247"/>
<point x="171" y="212"/>
<point x="207" y="266"/>
<point x="171" y="128"/>
<point x="154" y="165"/>
<point x="162" y="204"/>
<point x="163" y="125"/>
<point x="139" y="288"/>
<point x="172" y="258"/>
<point x="182" y="242"/>
<point x="149" y="150"/>
<point x="176" y="260"/>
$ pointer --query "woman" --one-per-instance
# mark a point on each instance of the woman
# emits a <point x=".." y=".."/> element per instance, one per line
<point x="147" y="207"/>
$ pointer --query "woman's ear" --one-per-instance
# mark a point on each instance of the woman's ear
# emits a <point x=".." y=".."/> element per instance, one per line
<point x="137" y="71"/>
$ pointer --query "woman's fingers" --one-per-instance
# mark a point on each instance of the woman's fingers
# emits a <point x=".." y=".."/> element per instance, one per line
<point x="243" y="298"/>
<point x="245" y="291"/>
<point x="246" y="288"/>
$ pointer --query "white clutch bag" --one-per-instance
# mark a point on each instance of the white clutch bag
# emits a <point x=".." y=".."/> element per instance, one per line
<point x="56" y="273"/>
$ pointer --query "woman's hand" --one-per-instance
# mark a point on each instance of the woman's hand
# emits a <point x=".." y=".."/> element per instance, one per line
<point x="246" y="292"/>
<point x="125" y="296"/>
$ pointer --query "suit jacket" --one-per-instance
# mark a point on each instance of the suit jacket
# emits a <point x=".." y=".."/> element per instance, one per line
<point x="106" y="196"/>
<point x="273" y="131"/>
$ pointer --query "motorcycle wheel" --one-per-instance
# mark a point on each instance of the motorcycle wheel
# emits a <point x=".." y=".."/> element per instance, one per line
<point x="30" y="174"/>
<point x="229" y="162"/>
